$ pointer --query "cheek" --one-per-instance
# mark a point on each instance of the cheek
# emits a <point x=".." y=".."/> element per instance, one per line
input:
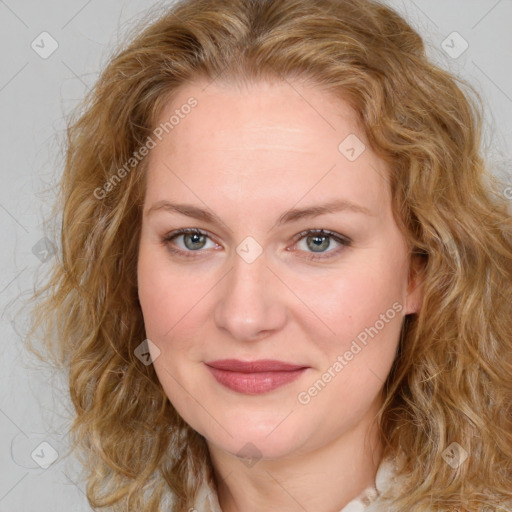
<point x="156" y="299"/>
<point x="362" y="316"/>
<point x="162" y="294"/>
<point x="354" y="299"/>
<point x="174" y="307"/>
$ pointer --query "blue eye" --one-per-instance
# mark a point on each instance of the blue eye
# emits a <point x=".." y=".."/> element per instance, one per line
<point x="318" y="242"/>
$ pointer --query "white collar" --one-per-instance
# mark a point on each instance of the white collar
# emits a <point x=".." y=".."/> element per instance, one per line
<point x="207" y="499"/>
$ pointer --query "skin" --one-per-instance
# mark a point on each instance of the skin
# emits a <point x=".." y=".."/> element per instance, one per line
<point x="248" y="155"/>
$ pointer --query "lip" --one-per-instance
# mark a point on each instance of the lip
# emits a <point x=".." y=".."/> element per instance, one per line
<point x="260" y="365"/>
<point x="254" y="377"/>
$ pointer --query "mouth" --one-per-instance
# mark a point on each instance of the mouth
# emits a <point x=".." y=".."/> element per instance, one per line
<point x="254" y="377"/>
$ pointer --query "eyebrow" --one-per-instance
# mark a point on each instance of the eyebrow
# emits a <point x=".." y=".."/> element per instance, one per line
<point x="287" y="217"/>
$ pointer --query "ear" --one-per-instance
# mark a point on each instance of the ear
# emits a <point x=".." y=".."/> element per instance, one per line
<point x="415" y="288"/>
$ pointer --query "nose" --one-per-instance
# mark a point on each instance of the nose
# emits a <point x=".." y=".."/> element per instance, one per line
<point x="250" y="301"/>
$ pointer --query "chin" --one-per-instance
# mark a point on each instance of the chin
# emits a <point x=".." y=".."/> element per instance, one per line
<point x="252" y="448"/>
<point x="251" y="435"/>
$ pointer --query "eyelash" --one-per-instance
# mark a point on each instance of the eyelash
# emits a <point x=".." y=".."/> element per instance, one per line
<point x="343" y="240"/>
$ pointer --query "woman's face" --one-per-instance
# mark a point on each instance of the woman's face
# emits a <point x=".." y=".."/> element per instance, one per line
<point x="253" y="171"/>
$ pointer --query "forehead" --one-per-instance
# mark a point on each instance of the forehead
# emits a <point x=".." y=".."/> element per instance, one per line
<point x="298" y="115"/>
<point x="267" y="140"/>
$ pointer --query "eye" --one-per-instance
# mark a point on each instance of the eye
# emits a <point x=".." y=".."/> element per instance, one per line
<point x="192" y="240"/>
<point x="319" y="240"/>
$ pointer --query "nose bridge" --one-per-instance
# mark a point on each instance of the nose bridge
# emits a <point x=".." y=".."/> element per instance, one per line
<point x="249" y="301"/>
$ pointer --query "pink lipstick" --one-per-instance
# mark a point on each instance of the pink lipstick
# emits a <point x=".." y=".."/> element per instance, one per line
<point x="254" y="377"/>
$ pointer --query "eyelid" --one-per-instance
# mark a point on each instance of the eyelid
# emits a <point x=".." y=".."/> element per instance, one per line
<point x="321" y="231"/>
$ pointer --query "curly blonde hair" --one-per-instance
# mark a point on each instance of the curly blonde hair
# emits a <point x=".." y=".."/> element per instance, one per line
<point x="451" y="380"/>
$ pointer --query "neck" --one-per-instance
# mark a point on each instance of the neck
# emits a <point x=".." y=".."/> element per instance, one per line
<point x="326" y="477"/>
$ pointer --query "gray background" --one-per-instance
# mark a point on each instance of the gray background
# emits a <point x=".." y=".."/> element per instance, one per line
<point x="36" y="95"/>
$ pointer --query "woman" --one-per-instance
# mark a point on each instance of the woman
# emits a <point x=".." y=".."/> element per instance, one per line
<point x="285" y="272"/>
